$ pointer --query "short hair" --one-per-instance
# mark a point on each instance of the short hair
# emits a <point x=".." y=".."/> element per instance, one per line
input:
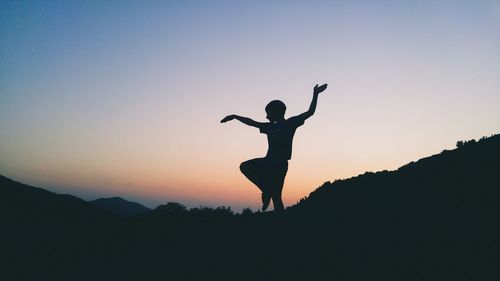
<point x="276" y="107"/>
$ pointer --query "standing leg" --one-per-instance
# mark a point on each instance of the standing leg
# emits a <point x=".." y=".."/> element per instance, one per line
<point x="278" y="180"/>
<point x="277" y="201"/>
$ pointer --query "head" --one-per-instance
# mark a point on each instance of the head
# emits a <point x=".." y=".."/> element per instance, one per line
<point x="275" y="111"/>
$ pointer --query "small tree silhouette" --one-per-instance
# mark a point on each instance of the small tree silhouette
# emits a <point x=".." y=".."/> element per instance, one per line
<point x="172" y="207"/>
<point x="246" y="212"/>
<point x="461" y="144"/>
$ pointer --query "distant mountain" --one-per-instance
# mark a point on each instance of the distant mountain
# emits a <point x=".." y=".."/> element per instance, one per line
<point x="120" y="206"/>
<point x="26" y="203"/>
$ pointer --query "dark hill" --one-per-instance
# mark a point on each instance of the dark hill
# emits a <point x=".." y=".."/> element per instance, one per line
<point x="434" y="219"/>
<point x="120" y="206"/>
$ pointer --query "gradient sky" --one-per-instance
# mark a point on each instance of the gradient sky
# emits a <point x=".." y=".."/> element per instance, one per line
<point x="117" y="98"/>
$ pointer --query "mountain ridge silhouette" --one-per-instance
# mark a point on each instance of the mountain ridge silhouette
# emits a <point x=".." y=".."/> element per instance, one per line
<point x="454" y="166"/>
<point x="120" y="206"/>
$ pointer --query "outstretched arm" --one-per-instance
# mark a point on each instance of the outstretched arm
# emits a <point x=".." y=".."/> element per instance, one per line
<point x="244" y="120"/>
<point x="314" y="102"/>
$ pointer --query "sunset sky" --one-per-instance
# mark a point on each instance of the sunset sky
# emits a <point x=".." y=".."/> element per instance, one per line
<point x="117" y="98"/>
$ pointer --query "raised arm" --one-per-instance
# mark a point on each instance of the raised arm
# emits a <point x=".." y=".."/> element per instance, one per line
<point x="244" y="120"/>
<point x="314" y="102"/>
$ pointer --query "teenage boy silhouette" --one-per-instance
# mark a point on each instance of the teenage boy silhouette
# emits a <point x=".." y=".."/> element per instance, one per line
<point x="268" y="173"/>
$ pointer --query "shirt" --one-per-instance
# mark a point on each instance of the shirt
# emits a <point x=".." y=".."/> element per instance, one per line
<point x="280" y="137"/>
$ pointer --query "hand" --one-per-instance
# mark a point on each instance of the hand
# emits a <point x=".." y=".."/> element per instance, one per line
<point x="228" y="118"/>
<point x="319" y="89"/>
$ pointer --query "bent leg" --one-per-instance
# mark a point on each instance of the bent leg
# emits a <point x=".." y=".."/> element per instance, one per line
<point x="256" y="171"/>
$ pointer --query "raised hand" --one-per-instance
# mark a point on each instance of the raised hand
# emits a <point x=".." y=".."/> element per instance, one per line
<point x="228" y="118"/>
<point x="319" y="89"/>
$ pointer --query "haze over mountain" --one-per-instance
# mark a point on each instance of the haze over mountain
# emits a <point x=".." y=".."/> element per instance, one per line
<point x="433" y="219"/>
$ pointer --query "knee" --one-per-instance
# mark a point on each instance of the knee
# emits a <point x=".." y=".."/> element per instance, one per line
<point x="244" y="167"/>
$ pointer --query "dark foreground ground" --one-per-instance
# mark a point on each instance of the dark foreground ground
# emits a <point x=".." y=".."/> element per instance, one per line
<point x="435" y="219"/>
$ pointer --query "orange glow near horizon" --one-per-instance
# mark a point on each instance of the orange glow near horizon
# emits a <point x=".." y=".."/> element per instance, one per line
<point x="128" y="102"/>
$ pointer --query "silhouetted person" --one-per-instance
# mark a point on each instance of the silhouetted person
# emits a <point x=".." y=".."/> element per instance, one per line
<point x="268" y="173"/>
